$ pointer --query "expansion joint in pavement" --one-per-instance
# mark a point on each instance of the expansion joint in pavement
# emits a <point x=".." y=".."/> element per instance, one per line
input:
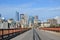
<point x="35" y="35"/>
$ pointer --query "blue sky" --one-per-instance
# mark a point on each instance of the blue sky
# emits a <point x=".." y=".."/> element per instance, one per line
<point x="43" y="8"/>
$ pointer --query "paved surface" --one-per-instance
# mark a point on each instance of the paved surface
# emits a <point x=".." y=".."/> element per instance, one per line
<point x="35" y="34"/>
<point x="25" y="36"/>
<point x="44" y="35"/>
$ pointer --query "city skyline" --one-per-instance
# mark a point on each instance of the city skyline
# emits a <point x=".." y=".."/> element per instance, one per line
<point x="43" y="8"/>
<point x="29" y="19"/>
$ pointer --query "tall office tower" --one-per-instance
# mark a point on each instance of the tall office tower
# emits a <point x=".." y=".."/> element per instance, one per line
<point x="23" y="20"/>
<point x="31" y="18"/>
<point x="31" y="21"/>
<point x="21" y="16"/>
<point x="26" y="19"/>
<point x="17" y="16"/>
<point x="0" y="15"/>
<point x="36" y="19"/>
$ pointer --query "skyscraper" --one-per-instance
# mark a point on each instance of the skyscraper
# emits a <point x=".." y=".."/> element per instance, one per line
<point x="23" y="20"/>
<point x="31" y="21"/>
<point x="17" y="16"/>
<point x="31" y="18"/>
<point x="36" y="19"/>
<point x="21" y="16"/>
<point x="0" y="15"/>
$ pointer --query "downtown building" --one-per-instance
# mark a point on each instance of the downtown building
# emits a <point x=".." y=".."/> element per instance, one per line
<point x="58" y="19"/>
<point x="53" y="22"/>
<point x="3" y="24"/>
<point x="31" y="21"/>
<point x="35" y="21"/>
<point x="17" y="16"/>
<point x="23" y="21"/>
<point x="45" y="24"/>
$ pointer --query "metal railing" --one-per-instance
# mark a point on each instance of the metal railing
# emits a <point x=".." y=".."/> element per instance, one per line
<point x="51" y="29"/>
<point x="7" y="34"/>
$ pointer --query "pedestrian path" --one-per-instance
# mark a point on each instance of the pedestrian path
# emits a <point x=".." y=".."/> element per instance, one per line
<point x="25" y="36"/>
<point x="52" y="32"/>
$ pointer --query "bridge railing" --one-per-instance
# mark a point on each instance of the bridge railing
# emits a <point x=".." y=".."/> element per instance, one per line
<point x="11" y="33"/>
<point x="51" y="29"/>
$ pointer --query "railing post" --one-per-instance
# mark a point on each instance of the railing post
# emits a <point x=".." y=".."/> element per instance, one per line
<point x="2" y="33"/>
<point x="8" y="33"/>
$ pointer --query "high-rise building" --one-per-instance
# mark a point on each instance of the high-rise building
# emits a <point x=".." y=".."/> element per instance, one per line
<point x="21" y="16"/>
<point x="0" y="15"/>
<point x="23" y="20"/>
<point x="31" y="21"/>
<point x="17" y="16"/>
<point x="35" y="21"/>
